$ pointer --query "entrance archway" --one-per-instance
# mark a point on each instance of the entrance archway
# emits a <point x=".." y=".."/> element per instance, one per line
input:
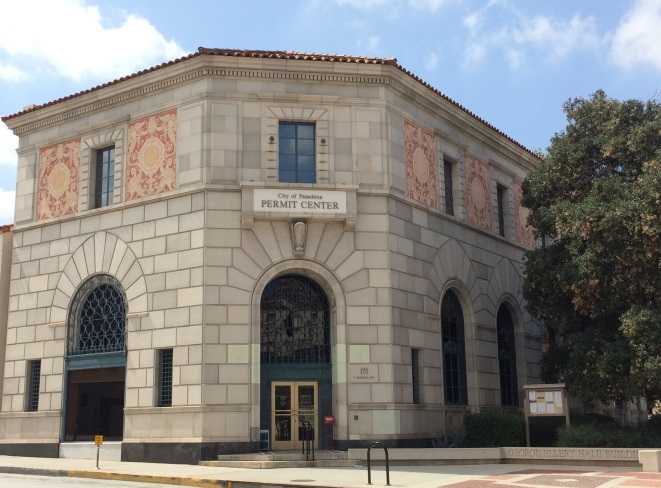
<point x="96" y="361"/>
<point x="295" y="359"/>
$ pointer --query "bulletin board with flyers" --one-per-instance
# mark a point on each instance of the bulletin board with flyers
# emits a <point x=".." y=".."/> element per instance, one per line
<point x="545" y="400"/>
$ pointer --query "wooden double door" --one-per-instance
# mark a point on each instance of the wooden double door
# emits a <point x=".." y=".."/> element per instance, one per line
<point x="294" y="413"/>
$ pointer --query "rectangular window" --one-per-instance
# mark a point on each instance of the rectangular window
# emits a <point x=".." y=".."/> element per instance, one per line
<point x="34" y="378"/>
<point x="296" y="153"/>
<point x="104" y="177"/>
<point x="449" y="196"/>
<point x="164" y="378"/>
<point x="415" y="374"/>
<point x="500" y="189"/>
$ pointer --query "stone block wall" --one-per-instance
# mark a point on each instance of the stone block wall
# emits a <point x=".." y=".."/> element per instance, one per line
<point x="156" y="252"/>
<point x="193" y="270"/>
<point x="5" y="266"/>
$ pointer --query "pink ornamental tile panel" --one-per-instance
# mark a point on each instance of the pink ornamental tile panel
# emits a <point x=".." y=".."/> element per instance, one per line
<point x="57" y="187"/>
<point x="421" y="169"/>
<point x="152" y="155"/>
<point x="524" y="233"/>
<point x="477" y="194"/>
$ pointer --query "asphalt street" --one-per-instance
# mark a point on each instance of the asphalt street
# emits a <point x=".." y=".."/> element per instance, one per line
<point x="18" y="481"/>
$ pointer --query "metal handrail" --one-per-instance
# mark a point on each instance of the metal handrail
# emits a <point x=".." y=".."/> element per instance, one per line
<point x="369" y="463"/>
<point x="307" y="447"/>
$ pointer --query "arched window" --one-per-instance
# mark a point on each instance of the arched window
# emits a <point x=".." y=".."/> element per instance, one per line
<point x="509" y="390"/>
<point x="295" y="322"/>
<point x="98" y="317"/>
<point x="454" y="349"/>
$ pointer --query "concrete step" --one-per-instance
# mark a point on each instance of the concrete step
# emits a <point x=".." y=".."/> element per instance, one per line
<point x="270" y="464"/>
<point x="324" y="455"/>
<point x="281" y="459"/>
<point x="110" y="451"/>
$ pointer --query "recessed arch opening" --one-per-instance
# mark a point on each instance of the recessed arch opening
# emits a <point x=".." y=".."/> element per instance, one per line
<point x="295" y="360"/>
<point x="96" y="360"/>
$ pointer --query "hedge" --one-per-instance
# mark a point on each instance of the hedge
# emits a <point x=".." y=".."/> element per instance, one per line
<point x="610" y="435"/>
<point x="494" y="428"/>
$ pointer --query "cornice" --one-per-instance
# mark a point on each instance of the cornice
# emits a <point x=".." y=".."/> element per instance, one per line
<point x="201" y="68"/>
<point x="427" y="100"/>
<point x="32" y="122"/>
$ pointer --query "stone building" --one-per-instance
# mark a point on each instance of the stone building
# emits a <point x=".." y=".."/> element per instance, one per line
<point x="235" y="246"/>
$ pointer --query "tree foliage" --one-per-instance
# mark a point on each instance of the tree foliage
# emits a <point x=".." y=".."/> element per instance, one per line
<point x="595" y="281"/>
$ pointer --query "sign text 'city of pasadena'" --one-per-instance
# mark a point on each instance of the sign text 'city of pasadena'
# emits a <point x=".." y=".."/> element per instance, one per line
<point x="300" y="201"/>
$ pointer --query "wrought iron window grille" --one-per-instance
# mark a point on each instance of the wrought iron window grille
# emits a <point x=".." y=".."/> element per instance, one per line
<point x="454" y="350"/>
<point x="34" y="381"/>
<point x="295" y="322"/>
<point x="509" y="389"/>
<point x="165" y="378"/>
<point x="98" y="318"/>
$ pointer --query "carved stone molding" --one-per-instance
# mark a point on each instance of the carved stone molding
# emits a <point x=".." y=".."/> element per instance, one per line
<point x="299" y="232"/>
<point x="188" y="76"/>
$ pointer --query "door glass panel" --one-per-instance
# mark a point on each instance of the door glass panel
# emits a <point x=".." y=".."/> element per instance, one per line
<point x="306" y="397"/>
<point x="283" y="397"/>
<point x="282" y="428"/>
<point x="306" y="412"/>
<point x="306" y="427"/>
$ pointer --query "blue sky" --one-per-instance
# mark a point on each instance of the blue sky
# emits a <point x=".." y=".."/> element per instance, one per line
<point x="513" y="62"/>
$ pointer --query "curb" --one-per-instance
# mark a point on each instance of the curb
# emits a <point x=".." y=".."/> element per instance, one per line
<point x="144" y="478"/>
<point x="108" y="475"/>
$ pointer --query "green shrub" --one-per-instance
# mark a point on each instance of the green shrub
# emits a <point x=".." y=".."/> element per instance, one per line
<point x="654" y="425"/>
<point x="494" y="428"/>
<point x="593" y="419"/>
<point x="596" y="435"/>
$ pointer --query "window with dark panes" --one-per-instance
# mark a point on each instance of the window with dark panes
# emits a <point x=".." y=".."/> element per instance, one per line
<point x="415" y="374"/>
<point x="509" y="390"/>
<point x="34" y="379"/>
<point x="296" y="152"/>
<point x="453" y="349"/>
<point x="104" y="177"/>
<point x="164" y="383"/>
<point x="500" y="189"/>
<point x="449" y="192"/>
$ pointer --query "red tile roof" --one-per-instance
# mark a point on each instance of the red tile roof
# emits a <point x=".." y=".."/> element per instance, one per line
<point x="289" y="55"/>
<point x="6" y="228"/>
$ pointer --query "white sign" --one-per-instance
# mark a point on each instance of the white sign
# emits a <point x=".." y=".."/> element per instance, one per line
<point x="300" y="201"/>
<point x="545" y="402"/>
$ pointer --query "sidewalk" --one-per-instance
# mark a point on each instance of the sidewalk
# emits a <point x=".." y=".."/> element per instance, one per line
<point x="475" y="476"/>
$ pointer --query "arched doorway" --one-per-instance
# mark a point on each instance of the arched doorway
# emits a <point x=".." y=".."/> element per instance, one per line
<point x="96" y="361"/>
<point x="509" y="389"/>
<point x="295" y="357"/>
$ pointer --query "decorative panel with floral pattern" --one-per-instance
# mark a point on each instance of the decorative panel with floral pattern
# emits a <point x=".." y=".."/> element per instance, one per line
<point x="524" y="233"/>
<point x="421" y="168"/>
<point x="57" y="190"/>
<point x="477" y="194"/>
<point x="151" y="166"/>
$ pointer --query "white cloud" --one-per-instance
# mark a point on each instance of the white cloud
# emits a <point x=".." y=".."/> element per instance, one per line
<point x="559" y="37"/>
<point x="7" y="200"/>
<point x="11" y="73"/>
<point x="518" y="36"/>
<point x="73" y="38"/>
<point x="637" y="40"/>
<point x="8" y="145"/>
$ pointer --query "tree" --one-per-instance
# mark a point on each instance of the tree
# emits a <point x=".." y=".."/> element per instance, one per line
<point x="595" y="281"/>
